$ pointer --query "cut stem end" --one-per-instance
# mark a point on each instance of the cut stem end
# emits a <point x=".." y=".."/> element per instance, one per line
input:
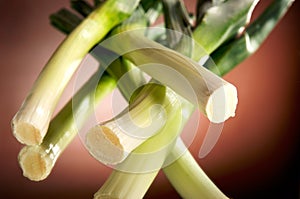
<point x="222" y="103"/>
<point x="104" y="145"/>
<point x="27" y="133"/>
<point x="35" y="163"/>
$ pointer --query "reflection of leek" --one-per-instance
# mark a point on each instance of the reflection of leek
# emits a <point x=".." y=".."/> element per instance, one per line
<point x="37" y="161"/>
<point x="31" y="122"/>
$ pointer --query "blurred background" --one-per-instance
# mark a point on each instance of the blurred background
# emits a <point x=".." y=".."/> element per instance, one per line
<point x="256" y="156"/>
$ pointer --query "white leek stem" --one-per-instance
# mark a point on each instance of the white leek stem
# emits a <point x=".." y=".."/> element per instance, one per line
<point x="133" y="177"/>
<point x="216" y="98"/>
<point x="37" y="161"/>
<point x="112" y="141"/>
<point x="31" y="122"/>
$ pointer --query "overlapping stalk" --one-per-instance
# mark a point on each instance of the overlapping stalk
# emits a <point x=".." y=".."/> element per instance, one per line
<point x="215" y="97"/>
<point x="116" y="185"/>
<point x="120" y="179"/>
<point x="142" y="165"/>
<point x="37" y="161"/>
<point x="112" y="141"/>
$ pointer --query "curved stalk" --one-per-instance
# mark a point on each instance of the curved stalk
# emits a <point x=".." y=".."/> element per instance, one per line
<point x="188" y="178"/>
<point x="142" y="165"/>
<point x="110" y="142"/>
<point x="31" y="122"/>
<point x="37" y="161"/>
<point x="216" y="98"/>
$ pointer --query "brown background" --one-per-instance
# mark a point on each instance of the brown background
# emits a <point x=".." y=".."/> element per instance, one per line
<point x="256" y="156"/>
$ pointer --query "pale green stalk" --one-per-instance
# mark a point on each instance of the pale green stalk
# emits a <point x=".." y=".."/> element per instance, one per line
<point x="132" y="178"/>
<point x="31" y="122"/>
<point x="128" y="76"/>
<point x="111" y="141"/>
<point x="216" y="98"/>
<point x="124" y="185"/>
<point x="189" y="180"/>
<point x="37" y="161"/>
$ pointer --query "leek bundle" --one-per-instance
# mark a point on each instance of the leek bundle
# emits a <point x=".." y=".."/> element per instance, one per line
<point x="126" y="41"/>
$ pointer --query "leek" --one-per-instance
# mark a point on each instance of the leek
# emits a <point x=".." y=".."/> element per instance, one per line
<point x="185" y="175"/>
<point x="37" y="161"/>
<point x="188" y="178"/>
<point x="31" y="122"/>
<point x="125" y="185"/>
<point x="215" y="97"/>
<point x="139" y="174"/>
<point x="112" y="141"/>
<point x="142" y="165"/>
<point x="119" y="178"/>
<point x="120" y="183"/>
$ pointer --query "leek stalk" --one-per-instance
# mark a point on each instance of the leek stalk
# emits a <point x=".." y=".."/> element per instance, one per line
<point x="142" y="165"/>
<point x="188" y="178"/>
<point x="120" y="183"/>
<point x="31" y="122"/>
<point x="110" y="142"/>
<point x="215" y="97"/>
<point x="125" y="185"/>
<point x="188" y="185"/>
<point x="37" y="161"/>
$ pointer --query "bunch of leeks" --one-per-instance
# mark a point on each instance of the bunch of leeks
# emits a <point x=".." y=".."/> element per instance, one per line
<point x="117" y="34"/>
